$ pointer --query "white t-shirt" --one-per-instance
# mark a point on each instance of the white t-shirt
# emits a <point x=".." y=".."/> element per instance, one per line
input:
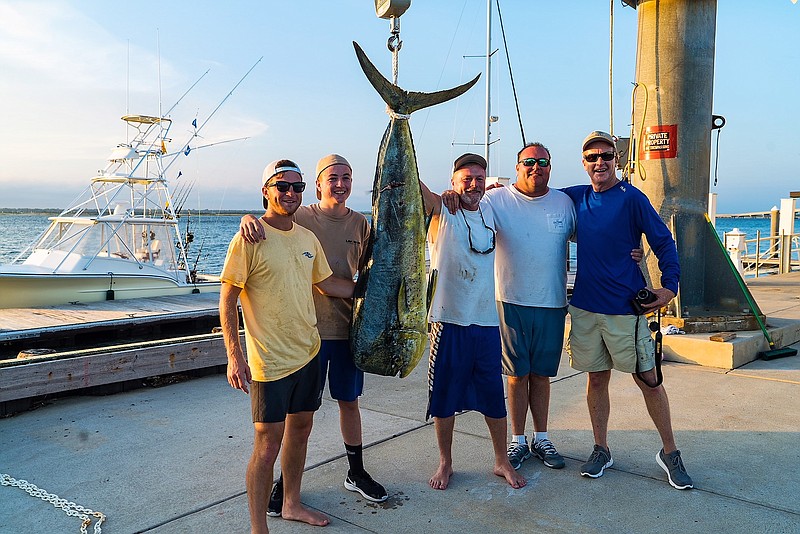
<point x="465" y="285"/>
<point x="532" y="239"/>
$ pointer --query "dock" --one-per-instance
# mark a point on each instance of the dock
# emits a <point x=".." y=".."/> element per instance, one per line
<point x="108" y="346"/>
<point x="172" y="459"/>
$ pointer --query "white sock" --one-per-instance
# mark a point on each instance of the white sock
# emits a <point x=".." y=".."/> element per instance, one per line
<point x="539" y="436"/>
<point x="518" y="439"/>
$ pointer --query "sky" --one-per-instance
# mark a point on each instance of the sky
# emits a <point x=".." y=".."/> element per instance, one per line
<point x="70" y="69"/>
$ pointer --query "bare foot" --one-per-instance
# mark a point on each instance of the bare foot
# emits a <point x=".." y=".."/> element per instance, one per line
<point x="514" y="479"/>
<point x="441" y="478"/>
<point x="304" y="515"/>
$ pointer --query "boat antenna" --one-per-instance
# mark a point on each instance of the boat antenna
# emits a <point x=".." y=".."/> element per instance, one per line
<point x="158" y="49"/>
<point x="128" y="82"/>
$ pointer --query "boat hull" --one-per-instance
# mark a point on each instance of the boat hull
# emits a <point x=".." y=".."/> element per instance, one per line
<point x="19" y="290"/>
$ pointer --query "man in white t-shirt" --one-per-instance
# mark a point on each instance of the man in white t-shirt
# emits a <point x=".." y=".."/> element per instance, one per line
<point x="534" y="224"/>
<point x="464" y="370"/>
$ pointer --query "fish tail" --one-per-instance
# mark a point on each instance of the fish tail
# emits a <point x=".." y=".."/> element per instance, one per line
<point x="402" y="101"/>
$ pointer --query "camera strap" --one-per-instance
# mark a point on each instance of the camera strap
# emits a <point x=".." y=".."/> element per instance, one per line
<point x="655" y="326"/>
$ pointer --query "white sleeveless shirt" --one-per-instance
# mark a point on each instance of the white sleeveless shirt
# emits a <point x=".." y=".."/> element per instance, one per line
<point x="465" y="287"/>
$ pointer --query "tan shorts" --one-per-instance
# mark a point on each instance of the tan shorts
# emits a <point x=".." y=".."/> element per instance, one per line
<point x="599" y="342"/>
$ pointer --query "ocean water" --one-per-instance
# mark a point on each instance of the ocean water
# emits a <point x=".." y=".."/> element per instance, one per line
<point x="214" y="232"/>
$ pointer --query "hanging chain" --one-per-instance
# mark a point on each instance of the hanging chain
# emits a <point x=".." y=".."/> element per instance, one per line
<point x="70" y="508"/>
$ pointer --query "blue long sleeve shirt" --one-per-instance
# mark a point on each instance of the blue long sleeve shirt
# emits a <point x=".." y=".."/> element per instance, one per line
<point x="610" y="225"/>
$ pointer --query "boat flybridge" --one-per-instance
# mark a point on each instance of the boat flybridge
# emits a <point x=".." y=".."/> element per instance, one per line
<point x="118" y="240"/>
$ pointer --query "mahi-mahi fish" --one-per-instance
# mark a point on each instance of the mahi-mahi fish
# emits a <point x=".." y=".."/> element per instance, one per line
<point x="389" y="327"/>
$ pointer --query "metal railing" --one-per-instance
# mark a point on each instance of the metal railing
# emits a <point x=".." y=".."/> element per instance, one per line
<point x="771" y="254"/>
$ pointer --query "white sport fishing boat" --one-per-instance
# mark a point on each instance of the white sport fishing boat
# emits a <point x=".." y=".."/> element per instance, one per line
<point x="118" y="240"/>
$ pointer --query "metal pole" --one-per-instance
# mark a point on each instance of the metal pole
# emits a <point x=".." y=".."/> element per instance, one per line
<point x="487" y="141"/>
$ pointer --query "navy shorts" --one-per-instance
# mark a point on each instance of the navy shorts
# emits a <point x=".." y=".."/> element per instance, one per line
<point x="301" y="391"/>
<point x="532" y="338"/>
<point x="346" y="381"/>
<point x="464" y="371"/>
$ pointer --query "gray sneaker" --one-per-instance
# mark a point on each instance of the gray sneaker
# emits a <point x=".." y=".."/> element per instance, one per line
<point x="598" y="462"/>
<point x="673" y="465"/>
<point x="518" y="453"/>
<point x="547" y="453"/>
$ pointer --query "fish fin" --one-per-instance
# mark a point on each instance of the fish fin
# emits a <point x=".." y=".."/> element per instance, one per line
<point x="432" y="278"/>
<point x="400" y="100"/>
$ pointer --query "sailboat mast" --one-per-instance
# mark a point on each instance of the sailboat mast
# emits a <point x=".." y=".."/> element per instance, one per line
<point x="487" y="136"/>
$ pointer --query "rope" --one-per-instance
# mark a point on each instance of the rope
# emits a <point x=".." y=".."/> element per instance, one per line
<point x="396" y="116"/>
<point x="633" y="158"/>
<point x="611" y="71"/>
<point x="70" y="508"/>
<point x="511" y="73"/>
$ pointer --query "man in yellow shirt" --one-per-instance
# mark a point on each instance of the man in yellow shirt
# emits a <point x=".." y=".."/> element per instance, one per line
<point x="273" y="280"/>
<point x="343" y="234"/>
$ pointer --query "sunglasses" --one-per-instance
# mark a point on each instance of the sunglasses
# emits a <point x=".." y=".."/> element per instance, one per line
<point x="605" y="156"/>
<point x="530" y="162"/>
<point x="469" y="234"/>
<point x="283" y="186"/>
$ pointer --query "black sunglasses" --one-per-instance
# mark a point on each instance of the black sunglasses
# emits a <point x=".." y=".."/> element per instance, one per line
<point x="283" y="186"/>
<point x="605" y="156"/>
<point x="530" y="162"/>
<point x="469" y="234"/>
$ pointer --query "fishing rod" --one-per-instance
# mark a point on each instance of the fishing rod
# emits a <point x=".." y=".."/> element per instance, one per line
<point x="200" y="128"/>
<point x="190" y="148"/>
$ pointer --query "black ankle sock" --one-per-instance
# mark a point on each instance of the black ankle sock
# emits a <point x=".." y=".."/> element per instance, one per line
<point x="355" y="459"/>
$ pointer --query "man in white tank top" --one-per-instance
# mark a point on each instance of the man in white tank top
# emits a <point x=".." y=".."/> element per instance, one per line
<point x="465" y="371"/>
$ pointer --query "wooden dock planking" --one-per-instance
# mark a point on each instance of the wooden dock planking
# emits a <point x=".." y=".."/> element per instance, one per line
<point x="95" y="367"/>
<point x="17" y="323"/>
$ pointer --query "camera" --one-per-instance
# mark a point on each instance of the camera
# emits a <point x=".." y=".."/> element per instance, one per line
<point x="643" y="296"/>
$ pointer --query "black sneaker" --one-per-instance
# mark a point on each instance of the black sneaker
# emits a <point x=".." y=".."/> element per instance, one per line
<point x="367" y="487"/>
<point x="275" y="505"/>
<point x="599" y="460"/>
<point x="673" y="465"/>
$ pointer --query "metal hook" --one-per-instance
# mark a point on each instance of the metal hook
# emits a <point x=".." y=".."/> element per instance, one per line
<point x="394" y="43"/>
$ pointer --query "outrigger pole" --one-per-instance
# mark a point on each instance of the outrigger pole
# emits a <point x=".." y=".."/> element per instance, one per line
<point x="198" y="129"/>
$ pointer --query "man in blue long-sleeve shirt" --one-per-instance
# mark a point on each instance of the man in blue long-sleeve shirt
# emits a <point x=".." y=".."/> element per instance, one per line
<point x="606" y="332"/>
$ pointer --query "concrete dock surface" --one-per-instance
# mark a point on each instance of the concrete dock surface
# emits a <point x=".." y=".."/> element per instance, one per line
<point x="172" y="459"/>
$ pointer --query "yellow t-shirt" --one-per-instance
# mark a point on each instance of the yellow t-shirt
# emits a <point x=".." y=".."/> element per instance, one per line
<point x="344" y="240"/>
<point x="276" y="277"/>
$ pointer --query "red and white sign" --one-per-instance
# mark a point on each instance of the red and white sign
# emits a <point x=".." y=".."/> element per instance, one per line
<point x="659" y="142"/>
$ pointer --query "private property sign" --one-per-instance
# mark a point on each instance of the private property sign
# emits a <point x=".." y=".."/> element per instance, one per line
<point x="659" y="142"/>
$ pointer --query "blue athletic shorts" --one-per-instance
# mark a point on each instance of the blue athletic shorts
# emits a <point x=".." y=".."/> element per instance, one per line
<point x="346" y="381"/>
<point x="464" y="371"/>
<point x="299" y="392"/>
<point x="532" y="339"/>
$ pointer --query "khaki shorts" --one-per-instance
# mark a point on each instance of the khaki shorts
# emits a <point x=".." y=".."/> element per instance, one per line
<point x="599" y="342"/>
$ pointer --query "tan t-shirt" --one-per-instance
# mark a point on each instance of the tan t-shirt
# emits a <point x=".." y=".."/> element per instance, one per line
<point x="276" y="277"/>
<point x="344" y="240"/>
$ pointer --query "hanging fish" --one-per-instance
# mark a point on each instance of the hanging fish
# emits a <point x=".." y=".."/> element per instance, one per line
<point x="388" y="331"/>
